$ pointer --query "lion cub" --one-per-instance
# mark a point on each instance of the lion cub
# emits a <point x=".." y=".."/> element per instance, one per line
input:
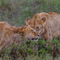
<point x="16" y="35"/>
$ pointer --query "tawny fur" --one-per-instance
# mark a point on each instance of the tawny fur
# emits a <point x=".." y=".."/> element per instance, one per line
<point x="3" y="26"/>
<point x="46" y="24"/>
<point x="16" y="35"/>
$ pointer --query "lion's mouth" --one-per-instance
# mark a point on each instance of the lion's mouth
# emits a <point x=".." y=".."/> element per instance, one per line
<point x="35" y="40"/>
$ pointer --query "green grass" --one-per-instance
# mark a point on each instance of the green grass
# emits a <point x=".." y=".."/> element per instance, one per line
<point x="30" y="50"/>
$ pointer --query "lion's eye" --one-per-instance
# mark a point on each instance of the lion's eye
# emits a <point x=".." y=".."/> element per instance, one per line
<point x="32" y="30"/>
<point x="43" y="18"/>
<point x="37" y="28"/>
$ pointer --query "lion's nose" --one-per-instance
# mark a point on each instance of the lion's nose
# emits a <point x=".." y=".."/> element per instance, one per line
<point x="38" y="35"/>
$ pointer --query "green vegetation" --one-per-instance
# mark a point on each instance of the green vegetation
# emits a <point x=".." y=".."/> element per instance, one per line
<point x="41" y="50"/>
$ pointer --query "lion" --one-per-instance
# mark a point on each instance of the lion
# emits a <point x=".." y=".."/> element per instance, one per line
<point x="15" y="35"/>
<point x="46" y="24"/>
<point x="3" y="26"/>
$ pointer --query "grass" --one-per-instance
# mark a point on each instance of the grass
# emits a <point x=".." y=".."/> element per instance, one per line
<point x="30" y="50"/>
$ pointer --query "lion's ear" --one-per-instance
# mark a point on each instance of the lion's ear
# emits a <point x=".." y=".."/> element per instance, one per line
<point x="44" y="19"/>
<point x="27" y="21"/>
